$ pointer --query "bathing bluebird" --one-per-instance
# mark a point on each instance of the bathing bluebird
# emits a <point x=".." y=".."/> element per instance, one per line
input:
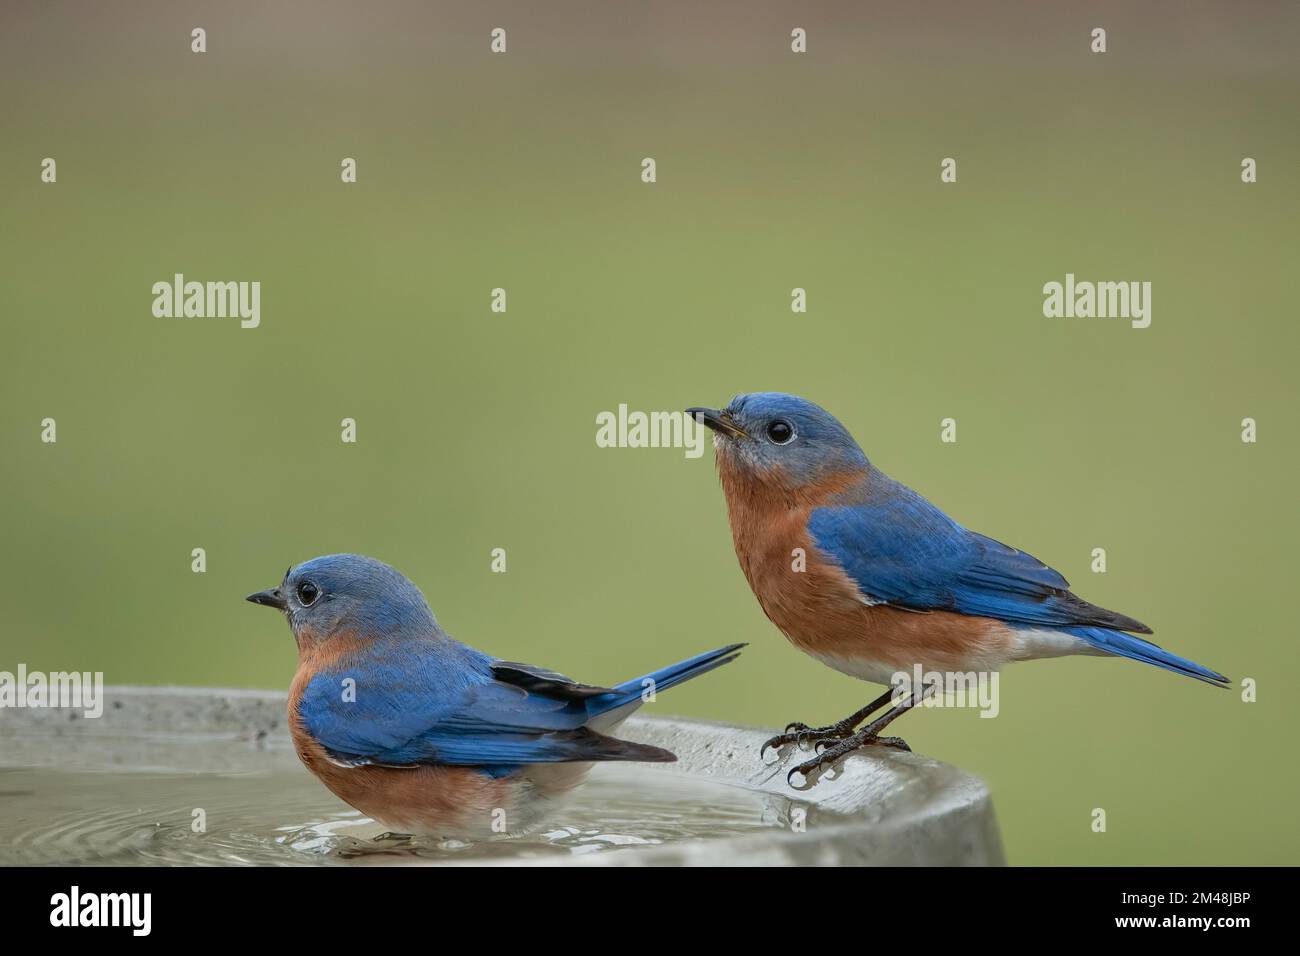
<point x="426" y="734"/>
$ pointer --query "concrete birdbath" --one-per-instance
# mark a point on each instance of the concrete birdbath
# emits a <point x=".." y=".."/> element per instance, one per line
<point x="173" y="775"/>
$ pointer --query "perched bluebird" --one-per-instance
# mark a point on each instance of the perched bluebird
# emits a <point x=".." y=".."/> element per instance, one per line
<point x="426" y="734"/>
<point x="889" y="581"/>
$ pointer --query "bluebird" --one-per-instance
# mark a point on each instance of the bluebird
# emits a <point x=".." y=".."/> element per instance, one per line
<point x="428" y="735"/>
<point x="888" y="581"/>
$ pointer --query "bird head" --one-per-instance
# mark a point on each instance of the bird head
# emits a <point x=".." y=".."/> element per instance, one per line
<point x="781" y="439"/>
<point x="347" y="594"/>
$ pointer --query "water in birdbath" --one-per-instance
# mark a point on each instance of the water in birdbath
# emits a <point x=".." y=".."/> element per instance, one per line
<point x="284" y="817"/>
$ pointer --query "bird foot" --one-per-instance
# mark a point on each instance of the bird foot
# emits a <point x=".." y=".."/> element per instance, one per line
<point x="801" y="736"/>
<point x="830" y="753"/>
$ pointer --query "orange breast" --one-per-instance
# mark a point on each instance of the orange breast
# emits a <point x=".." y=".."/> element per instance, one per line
<point x="442" y="801"/>
<point x="821" y="610"/>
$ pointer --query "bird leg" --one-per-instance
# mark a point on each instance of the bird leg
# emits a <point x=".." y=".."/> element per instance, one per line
<point x="797" y="734"/>
<point x="868" y="736"/>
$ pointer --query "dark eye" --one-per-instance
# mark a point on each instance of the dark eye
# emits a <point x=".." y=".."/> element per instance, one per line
<point x="308" y="593"/>
<point x="780" y="432"/>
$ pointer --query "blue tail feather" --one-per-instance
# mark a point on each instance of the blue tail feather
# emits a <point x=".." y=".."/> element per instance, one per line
<point x="663" y="678"/>
<point x="1134" y="648"/>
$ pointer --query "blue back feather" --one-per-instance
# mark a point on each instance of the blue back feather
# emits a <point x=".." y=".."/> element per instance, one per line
<point x="899" y="548"/>
<point x="440" y="702"/>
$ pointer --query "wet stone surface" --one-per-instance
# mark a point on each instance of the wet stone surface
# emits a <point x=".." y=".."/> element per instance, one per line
<point x="124" y="789"/>
<point x="284" y="817"/>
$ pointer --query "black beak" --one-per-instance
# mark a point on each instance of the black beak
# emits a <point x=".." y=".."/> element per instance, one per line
<point x="717" y="420"/>
<point x="270" y="598"/>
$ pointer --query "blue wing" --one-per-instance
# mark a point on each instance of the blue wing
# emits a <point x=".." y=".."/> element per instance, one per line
<point x="425" y="710"/>
<point x="902" y="550"/>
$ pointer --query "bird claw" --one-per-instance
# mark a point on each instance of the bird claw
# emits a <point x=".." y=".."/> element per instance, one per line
<point x="783" y="744"/>
<point x="783" y="751"/>
<point x="830" y="752"/>
<point x="803" y="737"/>
<point x="809" y="772"/>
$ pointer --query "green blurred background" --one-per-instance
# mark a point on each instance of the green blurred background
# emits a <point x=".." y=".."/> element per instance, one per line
<point x="476" y="430"/>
